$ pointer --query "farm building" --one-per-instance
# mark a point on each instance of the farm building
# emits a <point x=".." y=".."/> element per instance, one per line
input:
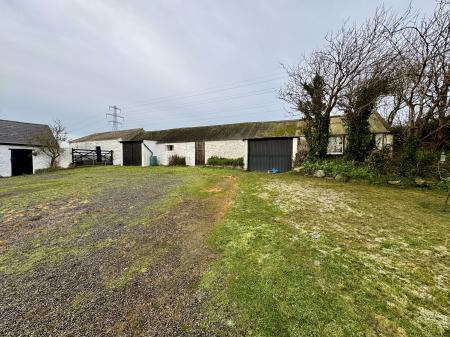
<point x="110" y="141"/>
<point x="262" y="145"/>
<point x="19" y="148"/>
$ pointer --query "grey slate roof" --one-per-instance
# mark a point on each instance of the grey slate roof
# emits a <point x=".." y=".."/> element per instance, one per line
<point x="273" y="129"/>
<point x="20" y="133"/>
<point x="122" y="134"/>
<point x="225" y="132"/>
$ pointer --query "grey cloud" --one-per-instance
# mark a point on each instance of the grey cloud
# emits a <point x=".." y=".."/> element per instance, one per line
<point x="72" y="59"/>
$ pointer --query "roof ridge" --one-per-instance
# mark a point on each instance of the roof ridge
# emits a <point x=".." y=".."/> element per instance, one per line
<point x="239" y="123"/>
<point x="131" y="131"/>
<point x="9" y="120"/>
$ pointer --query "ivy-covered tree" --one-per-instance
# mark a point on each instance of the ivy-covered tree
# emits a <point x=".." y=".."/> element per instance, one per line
<point x="316" y="117"/>
<point x="361" y="104"/>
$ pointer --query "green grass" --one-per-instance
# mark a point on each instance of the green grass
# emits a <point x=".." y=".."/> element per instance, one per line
<point x="58" y="191"/>
<point x="297" y="256"/>
<point x="310" y="257"/>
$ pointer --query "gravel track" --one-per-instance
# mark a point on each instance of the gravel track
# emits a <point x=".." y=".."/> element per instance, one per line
<point x="117" y="277"/>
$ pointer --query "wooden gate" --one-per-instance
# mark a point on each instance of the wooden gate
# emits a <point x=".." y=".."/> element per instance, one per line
<point x="265" y="154"/>
<point x="199" y="153"/>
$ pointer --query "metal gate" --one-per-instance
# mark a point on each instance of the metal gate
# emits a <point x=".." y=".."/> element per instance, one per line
<point x="199" y="153"/>
<point x="265" y="154"/>
<point x="132" y="153"/>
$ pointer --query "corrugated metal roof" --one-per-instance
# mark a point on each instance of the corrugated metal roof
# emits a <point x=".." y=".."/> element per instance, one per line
<point x="20" y="133"/>
<point x="290" y="128"/>
<point x="122" y="134"/>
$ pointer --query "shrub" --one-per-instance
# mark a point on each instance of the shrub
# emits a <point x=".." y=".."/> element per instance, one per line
<point x="379" y="160"/>
<point x="220" y="161"/>
<point x="410" y="161"/>
<point x="300" y="158"/>
<point x="334" y="167"/>
<point x="176" y="160"/>
<point x="425" y="163"/>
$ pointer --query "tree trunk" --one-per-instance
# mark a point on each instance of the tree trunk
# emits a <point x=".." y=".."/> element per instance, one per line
<point x="442" y="109"/>
<point x="446" y="200"/>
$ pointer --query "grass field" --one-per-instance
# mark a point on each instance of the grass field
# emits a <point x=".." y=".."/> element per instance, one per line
<point x="155" y="252"/>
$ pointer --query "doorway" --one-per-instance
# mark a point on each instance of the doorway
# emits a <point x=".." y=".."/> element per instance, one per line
<point x="21" y="162"/>
<point x="132" y="153"/>
<point x="199" y="153"/>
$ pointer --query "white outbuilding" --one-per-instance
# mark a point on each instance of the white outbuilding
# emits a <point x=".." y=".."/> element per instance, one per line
<point x="260" y="145"/>
<point x="19" y="148"/>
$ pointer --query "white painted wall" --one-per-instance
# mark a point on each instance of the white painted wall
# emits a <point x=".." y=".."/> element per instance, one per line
<point x="155" y="148"/>
<point x="382" y="140"/>
<point x="294" y="150"/>
<point x="106" y="145"/>
<point x="65" y="159"/>
<point x="186" y="150"/>
<point x="40" y="161"/>
<point x="246" y="154"/>
<point x="225" y="148"/>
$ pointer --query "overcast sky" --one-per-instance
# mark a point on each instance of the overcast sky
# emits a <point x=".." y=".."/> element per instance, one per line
<point x="166" y="63"/>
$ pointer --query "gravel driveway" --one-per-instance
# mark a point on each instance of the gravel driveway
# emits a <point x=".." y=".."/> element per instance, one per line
<point x="122" y="259"/>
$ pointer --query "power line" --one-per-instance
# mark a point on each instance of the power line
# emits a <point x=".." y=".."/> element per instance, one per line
<point x="190" y="104"/>
<point x="208" y="91"/>
<point x="212" y="90"/>
<point x="217" y="113"/>
<point x="86" y="122"/>
<point x="115" y="117"/>
<point x="210" y="119"/>
<point x="241" y="109"/>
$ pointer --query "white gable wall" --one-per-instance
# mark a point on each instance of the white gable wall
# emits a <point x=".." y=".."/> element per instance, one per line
<point x="40" y="161"/>
<point x="106" y="145"/>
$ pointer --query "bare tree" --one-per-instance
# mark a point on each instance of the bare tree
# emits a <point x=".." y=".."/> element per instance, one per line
<point x="351" y="56"/>
<point x="50" y="142"/>
<point x="422" y="65"/>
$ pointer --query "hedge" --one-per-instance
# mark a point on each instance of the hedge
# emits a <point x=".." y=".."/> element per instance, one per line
<point x="220" y="161"/>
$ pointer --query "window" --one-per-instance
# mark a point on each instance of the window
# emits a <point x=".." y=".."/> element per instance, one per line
<point x="380" y="140"/>
<point x="169" y="147"/>
<point x="335" y="145"/>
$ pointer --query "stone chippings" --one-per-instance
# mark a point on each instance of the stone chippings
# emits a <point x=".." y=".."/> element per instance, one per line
<point x="71" y="297"/>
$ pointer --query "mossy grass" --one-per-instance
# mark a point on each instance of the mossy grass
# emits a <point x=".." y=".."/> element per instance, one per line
<point x="309" y="257"/>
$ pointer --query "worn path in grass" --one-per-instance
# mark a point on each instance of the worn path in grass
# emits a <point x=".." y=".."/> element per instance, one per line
<point x="108" y="251"/>
<point x="313" y="257"/>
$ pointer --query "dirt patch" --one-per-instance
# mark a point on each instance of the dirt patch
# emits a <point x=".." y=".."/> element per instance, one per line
<point x="213" y="190"/>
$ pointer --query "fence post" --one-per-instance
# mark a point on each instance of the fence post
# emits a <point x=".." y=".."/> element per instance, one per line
<point x="98" y="150"/>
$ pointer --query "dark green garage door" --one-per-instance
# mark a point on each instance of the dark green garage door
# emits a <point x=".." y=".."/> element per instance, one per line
<point x="265" y="154"/>
<point x="132" y="153"/>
